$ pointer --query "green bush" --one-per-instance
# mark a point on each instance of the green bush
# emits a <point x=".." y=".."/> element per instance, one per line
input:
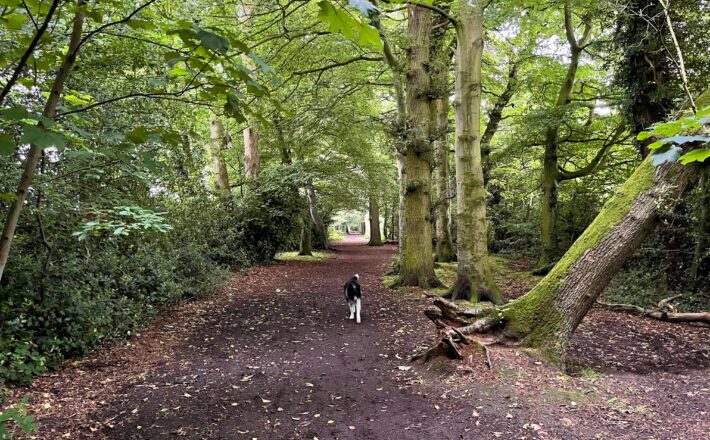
<point x="108" y="284"/>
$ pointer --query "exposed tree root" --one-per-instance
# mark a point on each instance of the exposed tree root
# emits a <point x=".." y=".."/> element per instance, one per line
<point x="455" y="323"/>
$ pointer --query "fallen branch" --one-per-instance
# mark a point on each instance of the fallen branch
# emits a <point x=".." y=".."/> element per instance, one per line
<point x="703" y="317"/>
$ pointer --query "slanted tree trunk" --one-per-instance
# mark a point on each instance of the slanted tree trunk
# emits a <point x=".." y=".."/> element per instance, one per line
<point x="215" y="150"/>
<point x="320" y="230"/>
<point x="417" y="261"/>
<point x="474" y="277"/>
<point x="35" y="152"/>
<point x="546" y="317"/>
<point x="375" y="234"/>
<point x="252" y="163"/>
<point x="398" y="133"/>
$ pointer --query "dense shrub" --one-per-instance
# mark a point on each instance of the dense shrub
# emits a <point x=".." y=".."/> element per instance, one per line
<point x="109" y="283"/>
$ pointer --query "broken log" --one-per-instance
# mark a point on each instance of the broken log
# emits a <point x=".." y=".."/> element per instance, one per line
<point x="702" y="317"/>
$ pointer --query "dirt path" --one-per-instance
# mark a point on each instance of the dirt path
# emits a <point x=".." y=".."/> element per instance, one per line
<point x="274" y="357"/>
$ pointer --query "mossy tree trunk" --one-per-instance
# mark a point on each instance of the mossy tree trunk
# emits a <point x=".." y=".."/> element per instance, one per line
<point x="386" y="226"/>
<point x="474" y="277"/>
<point x="417" y="259"/>
<point x="548" y="315"/>
<point x="375" y="233"/>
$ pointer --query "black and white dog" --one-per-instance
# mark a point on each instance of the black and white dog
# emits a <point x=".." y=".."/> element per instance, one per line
<point x="353" y="297"/>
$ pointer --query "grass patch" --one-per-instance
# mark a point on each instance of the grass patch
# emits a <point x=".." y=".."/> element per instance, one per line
<point x="446" y="273"/>
<point x="293" y="256"/>
<point x="501" y="270"/>
<point x="335" y="235"/>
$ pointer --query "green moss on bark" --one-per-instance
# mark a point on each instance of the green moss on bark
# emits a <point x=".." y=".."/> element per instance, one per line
<point x="534" y="317"/>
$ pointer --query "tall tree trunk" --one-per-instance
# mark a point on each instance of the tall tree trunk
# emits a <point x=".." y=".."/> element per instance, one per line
<point x="375" y="234"/>
<point x="215" y="149"/>
<point x="550" y="172"/>
<point x="444" y="244"/>
<point x="401" y="227"/>
<point x="473" y="277"/>
<point x="306" y="246"/>
<point x="440" y="65"/>
<point x="548" y="314"/>
<point x="386" y="221"/>
<point x="417" y="261"/>
<point x="646" y="67"/>
<point x="34" y="153"/>
<point x="252" y="162"/>
<point x="284" y="148"/>
<point x="320" y="239"/>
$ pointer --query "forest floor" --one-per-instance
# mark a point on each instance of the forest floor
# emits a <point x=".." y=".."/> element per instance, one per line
<point x="274" y="357"/>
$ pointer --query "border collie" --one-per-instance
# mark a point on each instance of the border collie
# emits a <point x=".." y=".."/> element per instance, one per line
<point x="353" y="297"/>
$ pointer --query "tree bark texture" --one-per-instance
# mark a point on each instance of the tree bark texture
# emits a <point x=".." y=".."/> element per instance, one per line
<point x="252" y="162"/>
<point x="474" y="277"/>
<point x="417" y="261"/>
<point x="215" y="149"/>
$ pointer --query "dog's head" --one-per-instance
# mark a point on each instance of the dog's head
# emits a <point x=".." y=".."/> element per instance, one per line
<point x="356" y="277"/>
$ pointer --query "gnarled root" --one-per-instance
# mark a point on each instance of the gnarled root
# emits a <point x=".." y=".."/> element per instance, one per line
<point x="455" y="323"/>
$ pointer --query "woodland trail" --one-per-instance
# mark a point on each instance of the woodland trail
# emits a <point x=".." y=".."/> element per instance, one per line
<point x="274" y="357"/>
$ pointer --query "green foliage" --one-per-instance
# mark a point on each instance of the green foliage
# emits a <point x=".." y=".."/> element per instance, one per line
<point x="688" y="130"/>
<point x="122" y="221"/>
<point x="15" y="419"/>
<point x="340" y="21"/>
